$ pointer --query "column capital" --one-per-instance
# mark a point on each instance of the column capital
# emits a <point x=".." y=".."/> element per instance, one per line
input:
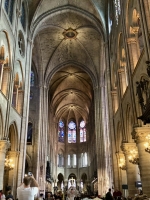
<point x="131" y="40"/>
<point x="128" y="147"/>
<point x="7" y="68"/>
<point x="4" y="145"/>
<point x="2" y="61"/>
<point x="121" y="70"/>
<point x="13" y="153"/>
<point x="114" y="92"/>
<point x="139" y="133"/>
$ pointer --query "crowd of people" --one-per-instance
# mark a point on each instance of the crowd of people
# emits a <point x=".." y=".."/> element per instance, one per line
<point x="28" y="190"/>
<point x="117" y="195"/>
<point x="9" y="196"/>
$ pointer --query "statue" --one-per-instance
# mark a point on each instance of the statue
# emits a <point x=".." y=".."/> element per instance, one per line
<point x="140" y="95"/>
<point x="148" y="68"/>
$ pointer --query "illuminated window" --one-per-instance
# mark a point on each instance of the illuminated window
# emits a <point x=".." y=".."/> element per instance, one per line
<point x="23" y="16"/>
<point x="32" y="79"/>
<point x="68" y="160"/>
<point x="9" y="4"/>
<point x="84" y="162"/>
<point x="60" y="160"/>
<point x="74" y="160"/>
<point x="61" y="135"/>
<point x="29" y="134"/>
<point x="117" y="10"/>
<point x="71" y="132"/>
<point x="82" y="131"/>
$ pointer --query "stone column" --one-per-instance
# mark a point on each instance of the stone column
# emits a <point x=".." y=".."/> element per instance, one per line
<point x="114" y="100"/>
<point x="15" y="96"/>
<point x="5" y="80"/>
<point x="140" y="134"/>
<point x="43" y="125"/>
<point x="146" y="12"/>
<point x="1" y="71"/>
<point x="12" y="181"/>
<point x="144" y="9"/>
<point x="133" y="52"/>
<point x="122" y="165"/>
<point x="131" y="169"/>
<point x="101" y="159"/>
<point x="20" y="101"/>
<point x="123" y="84"/>
<point x="4" y="145"/>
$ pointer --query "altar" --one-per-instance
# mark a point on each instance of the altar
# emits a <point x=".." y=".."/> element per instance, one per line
<point x="71" y="183"/>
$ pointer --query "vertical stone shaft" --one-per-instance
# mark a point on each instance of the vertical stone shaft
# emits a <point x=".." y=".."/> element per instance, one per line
<point x="144" y="157"/>
<point x="4" y="145"/>
<point x="131" y="169"/>
<point x="133" y="52"/>
<point x="5" y="80"/>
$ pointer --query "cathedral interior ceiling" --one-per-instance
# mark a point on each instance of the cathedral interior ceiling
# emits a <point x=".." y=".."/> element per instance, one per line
<point x="63" y="41"/>
<point x="55" y="48"/>
<point x="71" y="93"/>
<point x="95" y="7"/>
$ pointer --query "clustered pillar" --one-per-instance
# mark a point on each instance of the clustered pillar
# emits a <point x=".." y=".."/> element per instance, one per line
<point x="4" y="145"/>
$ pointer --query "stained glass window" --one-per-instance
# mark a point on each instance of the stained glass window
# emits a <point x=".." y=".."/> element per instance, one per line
<point x="11" y="10"/>
<point x="82" y="131"/>
<point x="29" y="134"/>
<point x="23" y="16"/>
<point x="117" y="10"/>
<point x="71" y="132"/>
<point x="32" y="79"/>
<point x="61" y="135"/>
<point x="6" y="5"/>
<point x="9" y="4"/>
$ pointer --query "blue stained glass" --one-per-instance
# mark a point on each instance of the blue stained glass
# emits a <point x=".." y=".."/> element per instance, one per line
<point x="11" y="10"/>
<point x="29" y="134"/>
<point x="61" y="133"/>
<point x="61" y="124"/>
<point x="23" y="16"/>
<point x="6" y="5"/>
<point x="32" y="79"/>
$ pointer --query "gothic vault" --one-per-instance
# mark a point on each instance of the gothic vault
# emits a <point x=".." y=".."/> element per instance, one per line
<point x="75" y="94"/>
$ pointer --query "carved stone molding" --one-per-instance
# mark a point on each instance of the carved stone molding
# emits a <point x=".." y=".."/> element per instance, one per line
<point x="140" y="133"/>
<point x="2" y="61"/>
<point x="127" y="147"/>
<point x="13" y="153"/>
<point x="114" y="92"/>
<point x="7" y="69"/>
<point x="4" y="145"/>
<point x="131" y="40"/>
<point x="121" y="70"/>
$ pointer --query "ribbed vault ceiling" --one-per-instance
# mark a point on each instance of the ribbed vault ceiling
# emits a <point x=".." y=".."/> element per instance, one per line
<point x="95" y="7"/>
<point x="70" y="87"/>
<point x="71" y="93"/>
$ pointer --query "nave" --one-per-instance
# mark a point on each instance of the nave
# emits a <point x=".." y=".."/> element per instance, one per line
<point x="75" y="95"/>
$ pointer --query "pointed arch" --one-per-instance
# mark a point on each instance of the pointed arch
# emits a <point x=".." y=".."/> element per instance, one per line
<point x="1" y="124"/>
<point x="13" y="136"/>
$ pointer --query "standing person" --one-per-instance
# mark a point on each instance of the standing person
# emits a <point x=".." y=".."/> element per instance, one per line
<point x="2" y="195"/>
<point x="49" y="196"/>
<point x="41" y="197"/>
<point x="109" y="195"/>
<point x="28" y="190"/>
<point x="117" y="194"/>
<point x="9" y="196"/>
